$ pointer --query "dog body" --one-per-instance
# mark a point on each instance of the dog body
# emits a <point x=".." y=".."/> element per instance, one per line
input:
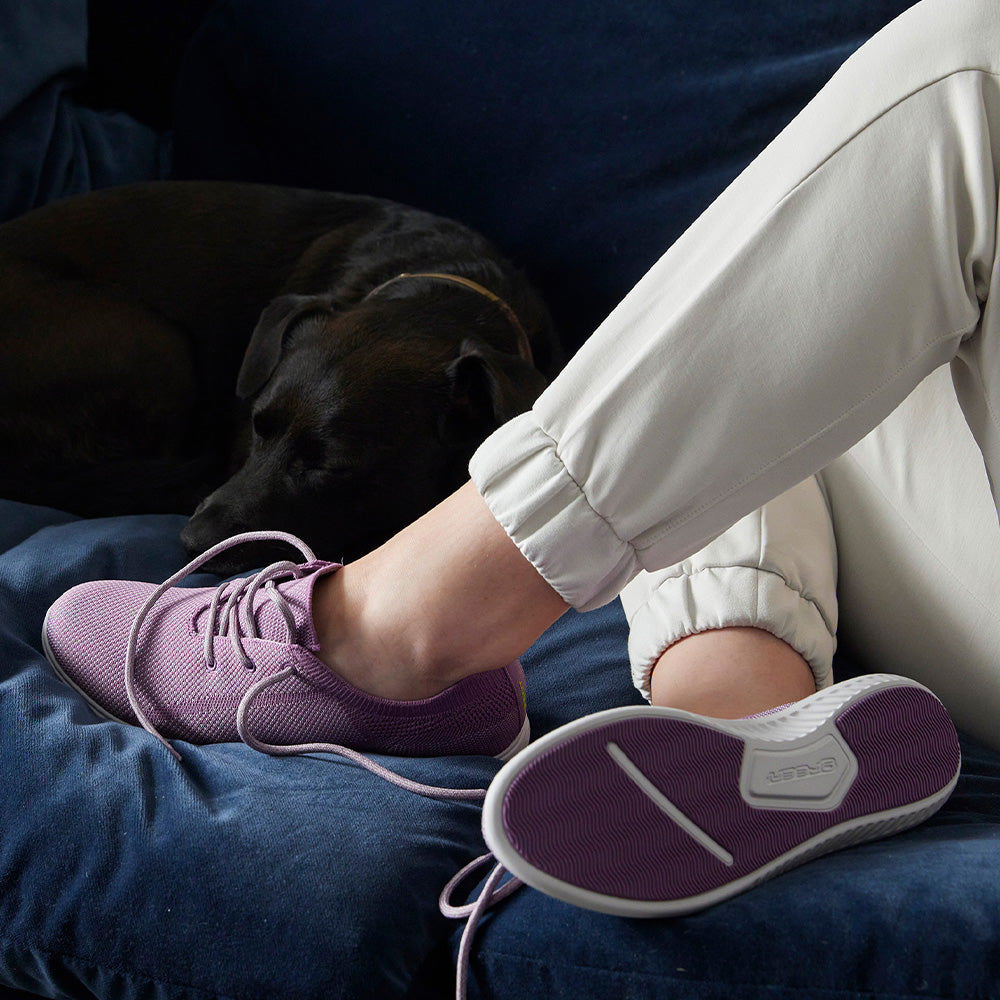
<point x="373" y="347"/>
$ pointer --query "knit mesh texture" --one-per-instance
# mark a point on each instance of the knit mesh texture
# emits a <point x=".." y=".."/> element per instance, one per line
<point x="88" y="629"/>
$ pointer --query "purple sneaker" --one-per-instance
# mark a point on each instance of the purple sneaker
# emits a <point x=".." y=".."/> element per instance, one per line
<point x="648" y="812"/>
<point x="220" y="664"/>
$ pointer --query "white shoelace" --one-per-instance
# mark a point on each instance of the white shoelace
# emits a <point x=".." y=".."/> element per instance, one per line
<point x="225" y="619"/>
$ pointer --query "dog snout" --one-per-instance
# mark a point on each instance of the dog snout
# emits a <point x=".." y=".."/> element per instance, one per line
<point x="235" y="508"/>
<point x="210" y="526"/>
<point x="207" y="526"/>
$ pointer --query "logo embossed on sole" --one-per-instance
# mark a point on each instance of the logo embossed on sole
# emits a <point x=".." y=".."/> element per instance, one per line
<point x="828" y="765"/>
<point x="811" y="775"/>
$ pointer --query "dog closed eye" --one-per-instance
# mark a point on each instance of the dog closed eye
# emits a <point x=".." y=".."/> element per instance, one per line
<point x="310" y="454"/>
<point x="267" y="426"/>
<point x="301" y="452"/>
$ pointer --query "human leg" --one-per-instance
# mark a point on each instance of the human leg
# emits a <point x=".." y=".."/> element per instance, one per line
<point x="846" y="263"/>
<point x="919" y="555"/>
<point x="749" y="621"/>
<point x="462" y="595"/>
<point x="916" y="586"/>
<point x="730" y="673"/>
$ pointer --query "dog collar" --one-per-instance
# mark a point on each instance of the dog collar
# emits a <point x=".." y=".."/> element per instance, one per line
<point x="523" y="345"/>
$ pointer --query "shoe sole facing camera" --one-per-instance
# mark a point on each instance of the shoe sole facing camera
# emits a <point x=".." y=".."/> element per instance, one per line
<point x="648" y="812"/>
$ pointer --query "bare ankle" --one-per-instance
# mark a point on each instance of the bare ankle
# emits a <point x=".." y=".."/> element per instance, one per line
<point x="369" y="656"/>
<point x="447" y="597"/>
<point x="730" y="673"/>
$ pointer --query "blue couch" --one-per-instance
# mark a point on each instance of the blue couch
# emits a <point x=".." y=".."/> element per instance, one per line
<point x="583" y="138"/>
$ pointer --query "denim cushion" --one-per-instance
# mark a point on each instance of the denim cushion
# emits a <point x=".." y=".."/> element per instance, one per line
<point x="230" y="874"/>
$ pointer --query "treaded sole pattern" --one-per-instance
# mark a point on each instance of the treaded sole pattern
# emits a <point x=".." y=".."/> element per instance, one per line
<point x="654" y="812"/>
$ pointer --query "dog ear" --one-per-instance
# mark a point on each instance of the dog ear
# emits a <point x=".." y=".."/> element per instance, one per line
<point x="269" y="337"/>
<point x="487" y="388"/>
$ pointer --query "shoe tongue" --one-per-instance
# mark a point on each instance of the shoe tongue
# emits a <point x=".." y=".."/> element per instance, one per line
<point x="298" y="594"/>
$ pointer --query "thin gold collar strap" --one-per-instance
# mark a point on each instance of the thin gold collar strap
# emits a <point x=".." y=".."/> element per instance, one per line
<point x="523" y="345"/>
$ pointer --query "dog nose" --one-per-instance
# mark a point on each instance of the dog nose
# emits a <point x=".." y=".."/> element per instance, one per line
<point x="192" y="538"/>
<point x="213" y="524"/>
<point x="199" y="535"/>
<point x="205" y="527"/>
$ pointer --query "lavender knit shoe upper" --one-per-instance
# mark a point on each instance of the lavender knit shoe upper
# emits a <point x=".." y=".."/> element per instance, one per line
<point x="211" y="665"/>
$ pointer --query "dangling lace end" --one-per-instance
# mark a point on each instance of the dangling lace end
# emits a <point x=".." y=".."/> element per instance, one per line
<point x="491" y="894"/>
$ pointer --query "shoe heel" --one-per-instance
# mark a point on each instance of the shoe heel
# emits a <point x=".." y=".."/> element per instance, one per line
<point x="522" y="739"/>
<point x="907" y="749"/>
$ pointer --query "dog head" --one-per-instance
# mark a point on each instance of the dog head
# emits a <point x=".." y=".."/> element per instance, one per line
<point x="361" y="419"/>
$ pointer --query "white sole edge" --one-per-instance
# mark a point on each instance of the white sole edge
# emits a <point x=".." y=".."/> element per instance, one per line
<point x="797" y="722"/>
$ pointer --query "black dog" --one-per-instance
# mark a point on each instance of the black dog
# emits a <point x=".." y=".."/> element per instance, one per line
<point x="373" y="347"/>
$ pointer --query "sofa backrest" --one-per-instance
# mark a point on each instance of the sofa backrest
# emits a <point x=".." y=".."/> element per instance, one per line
<point x="583" y="137"/>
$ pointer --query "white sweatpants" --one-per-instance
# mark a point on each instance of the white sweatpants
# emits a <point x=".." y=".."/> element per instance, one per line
<point x="854" y="257"/>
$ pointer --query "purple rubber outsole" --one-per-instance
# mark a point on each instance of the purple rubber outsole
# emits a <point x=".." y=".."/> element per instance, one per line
<point x="651" y="812"/>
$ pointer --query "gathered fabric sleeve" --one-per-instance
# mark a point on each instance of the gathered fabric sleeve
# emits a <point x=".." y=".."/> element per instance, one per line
<point x="776" y="569"/>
